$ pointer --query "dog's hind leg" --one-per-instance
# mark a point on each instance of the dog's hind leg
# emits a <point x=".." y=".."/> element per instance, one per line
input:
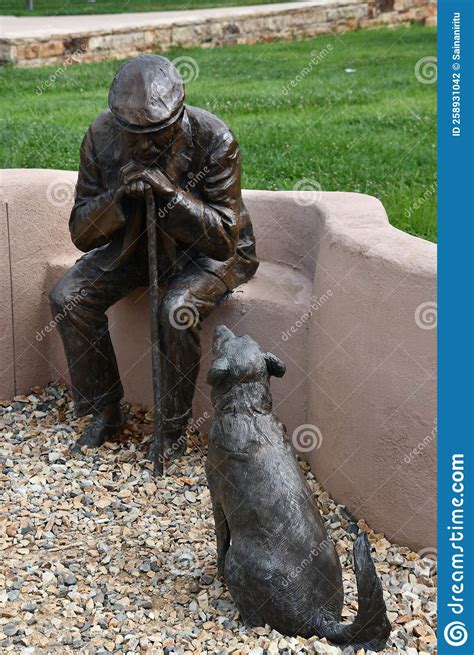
<point x="222" y="537"/>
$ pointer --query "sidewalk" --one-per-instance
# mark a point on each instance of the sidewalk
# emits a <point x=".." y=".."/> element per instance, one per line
<point x="13" y="27"/>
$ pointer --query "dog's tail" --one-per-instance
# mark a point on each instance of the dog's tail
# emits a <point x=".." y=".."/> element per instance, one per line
<point x="371" y="627"/>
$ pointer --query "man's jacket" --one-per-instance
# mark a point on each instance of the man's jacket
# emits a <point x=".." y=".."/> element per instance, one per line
<point x="206" y="221"/>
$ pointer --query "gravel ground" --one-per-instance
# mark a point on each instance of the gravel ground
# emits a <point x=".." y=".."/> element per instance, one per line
<point x="98" y="557"/>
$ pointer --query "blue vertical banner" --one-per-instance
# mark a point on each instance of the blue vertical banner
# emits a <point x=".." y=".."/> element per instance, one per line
<point x="456" y="327"/>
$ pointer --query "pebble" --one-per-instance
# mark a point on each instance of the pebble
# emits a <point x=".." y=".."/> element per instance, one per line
<point x="47" y="578"/>
<point x="70" y="580"/>
<point x="10" y="629"/>
<point x="99" y="557"/>
<point x="29" y="607"/>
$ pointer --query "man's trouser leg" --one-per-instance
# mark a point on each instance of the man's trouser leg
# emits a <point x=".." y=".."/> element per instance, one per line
<point x="190" y="297"/>
<point x="79" y="302"/>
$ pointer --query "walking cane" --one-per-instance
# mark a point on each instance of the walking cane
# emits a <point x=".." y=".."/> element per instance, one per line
<point x="157" y="449"/>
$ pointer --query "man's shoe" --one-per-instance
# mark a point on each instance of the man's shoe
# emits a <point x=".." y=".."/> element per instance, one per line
<point x="97" y="432"/>
<point x="174" y="445"/>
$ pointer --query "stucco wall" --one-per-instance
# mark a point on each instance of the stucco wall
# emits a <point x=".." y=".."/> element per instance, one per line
<point x="344" y="298"/>
<point x="372" y="368"/>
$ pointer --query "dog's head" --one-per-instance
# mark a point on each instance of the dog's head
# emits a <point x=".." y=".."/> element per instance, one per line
<point x="239" y="362"/>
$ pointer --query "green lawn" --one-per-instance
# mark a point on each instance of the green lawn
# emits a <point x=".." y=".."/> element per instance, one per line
<point x="65" y="7"/>
<point x="371" y="130"/>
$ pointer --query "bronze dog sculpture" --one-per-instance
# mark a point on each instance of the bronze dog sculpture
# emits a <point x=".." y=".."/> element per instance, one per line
<point x="279" y="565"/>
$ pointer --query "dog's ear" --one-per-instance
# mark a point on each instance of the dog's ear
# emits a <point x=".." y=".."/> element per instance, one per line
<point x="274" y="365"/>
<point x="218" y="370"/>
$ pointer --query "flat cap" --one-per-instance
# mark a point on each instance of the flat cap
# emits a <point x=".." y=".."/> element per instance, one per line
<point x="147" y="94"/>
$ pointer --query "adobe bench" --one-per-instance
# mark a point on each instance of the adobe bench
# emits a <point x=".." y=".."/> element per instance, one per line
<point x="340" y="296"/>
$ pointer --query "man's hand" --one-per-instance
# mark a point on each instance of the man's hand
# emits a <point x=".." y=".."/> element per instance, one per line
<point x="153" y="177"/>
<point x="126" y="170"/>
<point x="134" y="189"/>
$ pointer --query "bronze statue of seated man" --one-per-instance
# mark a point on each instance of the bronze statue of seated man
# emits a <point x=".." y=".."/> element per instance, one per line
<point x="149" y="139"/>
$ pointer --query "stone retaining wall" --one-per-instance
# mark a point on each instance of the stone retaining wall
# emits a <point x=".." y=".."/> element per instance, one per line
<point x="119" y="38"/>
